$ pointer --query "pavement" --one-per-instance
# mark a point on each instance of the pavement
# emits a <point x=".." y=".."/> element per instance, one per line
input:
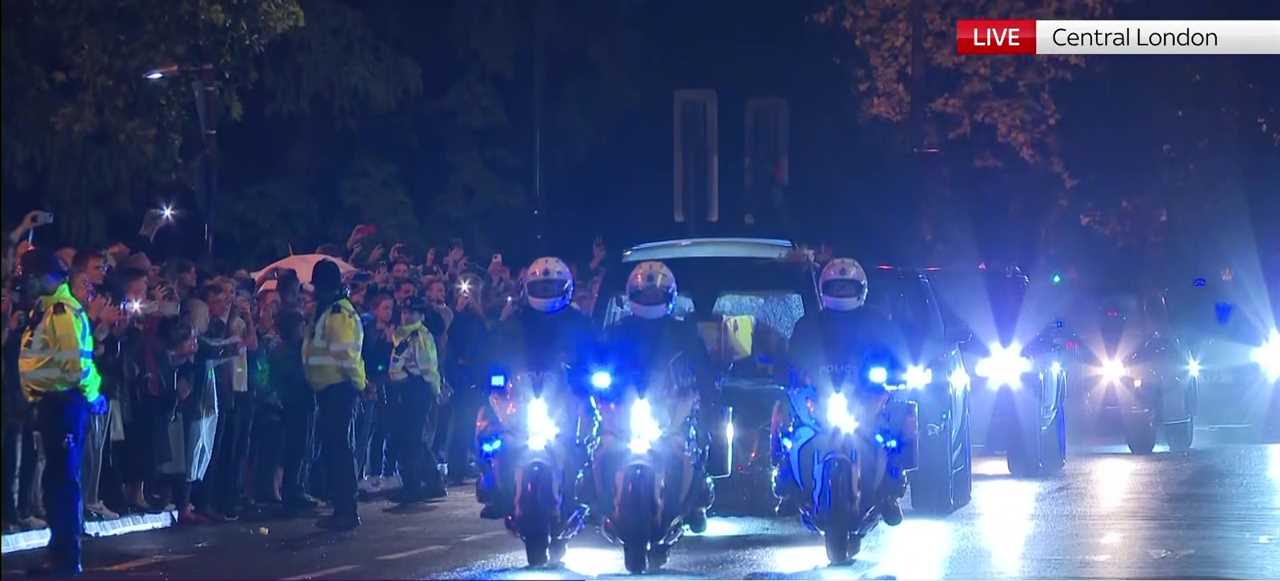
<point x="1211" y="513"/>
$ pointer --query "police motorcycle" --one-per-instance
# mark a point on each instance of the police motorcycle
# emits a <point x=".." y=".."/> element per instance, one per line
<point x="1145" y="376"/>
<point x="646" y="455"/>
<point x="537" y="453"/>
<point x="843" y="436"/>
<point x="1021" y="390"/>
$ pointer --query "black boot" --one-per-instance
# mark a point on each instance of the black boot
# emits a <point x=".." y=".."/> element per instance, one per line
<point x="890" y="511"/>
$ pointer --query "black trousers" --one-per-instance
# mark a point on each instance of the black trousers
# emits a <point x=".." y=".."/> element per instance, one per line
<point x="297" y="447"/>
<point x="336" y="427"/>
<point x="20" y="459"/>
<point x="61" y="419"/>
<point x="418" y="465"/>
<point x="264" y="451"/>
<point x="466" y="404"/>
<point x="225" y="482"/>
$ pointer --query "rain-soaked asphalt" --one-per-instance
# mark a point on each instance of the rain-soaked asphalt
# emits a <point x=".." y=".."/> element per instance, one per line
<point x="1214" y="512"/>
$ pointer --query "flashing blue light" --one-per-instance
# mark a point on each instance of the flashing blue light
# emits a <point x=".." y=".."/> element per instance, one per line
<point x="497" y="380"/>
<point x="491" y="446"/>
<point x="601" y="380"/>
<point x="1056" y="278"/>
<point x="1222" y="311"/>
<point x="879" y="438"/>
<point x="1199" y="282"/>
<point x="878" y="375"/>
<point x="786" y="443"/>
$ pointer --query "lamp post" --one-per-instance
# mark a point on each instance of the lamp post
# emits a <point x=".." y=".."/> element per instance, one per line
<point x="206" y="97"/>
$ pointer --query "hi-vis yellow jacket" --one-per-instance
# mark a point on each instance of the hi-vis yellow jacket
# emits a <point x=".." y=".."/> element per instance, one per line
<point x="331" y="352"/>
<point x="57" y="351"/>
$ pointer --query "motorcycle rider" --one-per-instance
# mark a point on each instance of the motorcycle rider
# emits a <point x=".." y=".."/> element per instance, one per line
<point x="648" y="342"/>
<point x="832" y="341"/>
<point x="544" y="334"/>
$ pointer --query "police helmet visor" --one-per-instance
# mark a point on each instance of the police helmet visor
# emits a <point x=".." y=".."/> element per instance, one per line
<point x="651" y="296"/>
<point x="547" y="288"/>
<point x="843" y="288"/>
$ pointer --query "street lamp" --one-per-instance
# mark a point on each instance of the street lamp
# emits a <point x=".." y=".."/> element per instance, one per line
<point x="206" y="97"/>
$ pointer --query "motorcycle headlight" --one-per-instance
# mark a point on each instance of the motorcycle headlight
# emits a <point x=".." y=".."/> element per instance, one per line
<point x="918" y="376"/>
<point x="1267" y="356"/>
<point x="878" y="375"/>
<point x="1113" y="370"/>
<point x="1193" y="367"/>
<point x="542" y="429"/>
<point x="1004" y="366"/>
<point x="644" y="428"/>
<point x="838" y="415"/>
<point x="601" y="380"/>
<point x="1055" y="367"/>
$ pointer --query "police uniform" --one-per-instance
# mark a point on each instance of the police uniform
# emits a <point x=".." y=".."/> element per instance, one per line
<point x="334" y="368"/>
<point x="415" y="375"/>
<point x="59" y="378"/>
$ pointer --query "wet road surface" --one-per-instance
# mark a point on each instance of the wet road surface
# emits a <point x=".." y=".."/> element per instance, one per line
<point x="1214" y="512"/>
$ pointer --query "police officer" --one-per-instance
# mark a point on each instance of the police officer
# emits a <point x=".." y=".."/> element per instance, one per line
<point x="335" y="369"/>
<point x="832" y="342"/>
<point x="648" y="342"/>
<point x="60" y="380"/>
<point x="544" y="335"/>
<point x="415" y="378"/>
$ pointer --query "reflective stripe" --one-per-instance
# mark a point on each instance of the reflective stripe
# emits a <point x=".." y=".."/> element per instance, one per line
<point x="43" y="373"/>
<point x="63" y="355"/>
<point x="347" y="346"/>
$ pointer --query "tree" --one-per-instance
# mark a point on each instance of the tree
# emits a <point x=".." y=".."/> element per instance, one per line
<point x="82" y="127"/>
<point x="994" y="107"/>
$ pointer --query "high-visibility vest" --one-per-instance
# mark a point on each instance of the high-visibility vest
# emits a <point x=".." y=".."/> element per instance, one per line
<point x="57" y="349"/>
<point x="331" y="352"/>
<point x="414" y="354"/>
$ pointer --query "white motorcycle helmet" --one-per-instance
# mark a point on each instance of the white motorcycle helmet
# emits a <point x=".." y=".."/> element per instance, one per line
<point x="843" y="285"/>
<point x="651" y="290"/>
<point x="548" y="285"/>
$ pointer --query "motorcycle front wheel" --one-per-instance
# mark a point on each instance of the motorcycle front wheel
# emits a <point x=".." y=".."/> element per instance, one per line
<point x="636" y="557"/>
<point x="536" y="550"/>
<point x="1140" y="433"/>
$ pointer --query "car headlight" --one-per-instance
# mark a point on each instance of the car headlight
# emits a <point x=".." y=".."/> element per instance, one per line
<point x="601" y="380"/>
<point x="878" y="375"/>
<point x="838" y="415"/>
<point x="542" y="429"/>
<point x="644" y="428"/>
<point x="1193" y="367"/>
<point x="1004" y="366"/>
<point x="1113" y="371"/>
<point x="1267" y="356"/>
<point x="918" y="376"/>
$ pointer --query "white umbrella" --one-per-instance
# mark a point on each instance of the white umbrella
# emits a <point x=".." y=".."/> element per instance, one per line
<point x="302" y="264"/>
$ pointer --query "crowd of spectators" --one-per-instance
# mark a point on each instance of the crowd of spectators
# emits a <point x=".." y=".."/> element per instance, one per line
<point x="208" y="409"/>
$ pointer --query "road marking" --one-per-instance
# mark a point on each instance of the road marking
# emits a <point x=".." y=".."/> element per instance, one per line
<point x="418" y="551"/>
<point x="143" y="562"/>
<point x="477" y="537"/>
<point x="320" y="573"/>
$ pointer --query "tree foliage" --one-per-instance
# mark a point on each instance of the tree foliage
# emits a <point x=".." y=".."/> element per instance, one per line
<point x="995" y="106"/>
<point x="80" y="124"/>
